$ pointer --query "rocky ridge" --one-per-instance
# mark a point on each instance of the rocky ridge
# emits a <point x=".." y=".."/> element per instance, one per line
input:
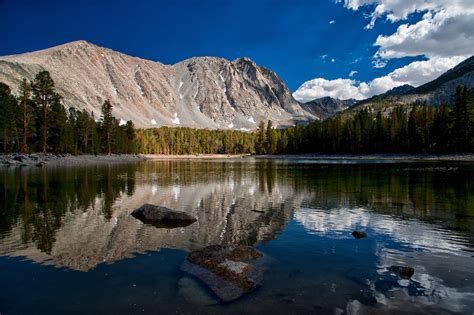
<point x="200" y="92"/>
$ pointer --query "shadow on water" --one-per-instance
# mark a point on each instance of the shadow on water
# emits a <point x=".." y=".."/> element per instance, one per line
<point x="302" y="214"/>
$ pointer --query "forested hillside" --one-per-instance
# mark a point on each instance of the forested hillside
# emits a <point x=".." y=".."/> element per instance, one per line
<point x="35" y="120"/>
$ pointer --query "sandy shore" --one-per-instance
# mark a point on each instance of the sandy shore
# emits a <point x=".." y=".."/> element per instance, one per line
<point x="469" y="157"/>
<point x="194" y="156"/>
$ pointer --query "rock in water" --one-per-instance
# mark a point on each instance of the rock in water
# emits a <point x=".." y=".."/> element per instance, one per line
<point x="402" y="271"/>
<point x="359" y="234"/>
<point x="228" y="271"/>
<point x="193" y="293"/>
<point x="162" y="216"/>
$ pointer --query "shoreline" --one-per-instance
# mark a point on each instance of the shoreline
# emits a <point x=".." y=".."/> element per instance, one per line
<point x="49" y="159"/>
<point x="195" y="156"/>
<point x="468" y="157"/>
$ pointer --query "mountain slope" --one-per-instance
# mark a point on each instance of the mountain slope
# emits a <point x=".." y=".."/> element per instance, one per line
<point x="327" y="106"/>
<point x="433" y="93"/>
<point x="201" y="92"/>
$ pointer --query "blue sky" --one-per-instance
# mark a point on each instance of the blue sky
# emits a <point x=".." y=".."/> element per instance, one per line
<point x="296" y="39"/>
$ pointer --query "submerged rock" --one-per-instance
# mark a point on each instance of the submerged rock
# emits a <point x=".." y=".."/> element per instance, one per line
<point x="359" y="234"/>
<point x="162" y="217"/>
<point x="402" y="271"/>
<point x="228" y="271"/>
<point x="194" y="293"/>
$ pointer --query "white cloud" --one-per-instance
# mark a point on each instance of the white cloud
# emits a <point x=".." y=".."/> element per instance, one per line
<point x="333" y="60"/>
<point x="444" y="30"/>
<point x="332" y="22"/>
<point x="443" y="35"/>
<point x="353" y="73"/>
<point x="415" y="73"/>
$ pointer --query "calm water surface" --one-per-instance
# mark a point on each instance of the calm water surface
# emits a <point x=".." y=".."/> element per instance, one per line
<point x="69" y="246"/>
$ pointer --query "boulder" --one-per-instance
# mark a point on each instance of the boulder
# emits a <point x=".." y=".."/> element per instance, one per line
<point x="402" y="271"/>
<point x="229" y="271"/>
<point x="359" y="234"/>
<point x="162" y="216"/>
<point x="19" y="158"/>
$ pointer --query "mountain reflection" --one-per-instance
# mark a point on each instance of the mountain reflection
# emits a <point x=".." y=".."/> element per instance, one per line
<point x="78" y="217"/>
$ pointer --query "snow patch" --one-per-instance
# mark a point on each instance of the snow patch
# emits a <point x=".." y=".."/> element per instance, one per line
<point x="244" y="129"/>
<point x="231" y="125"/>
<point x="176" y="119"/>
<point x="115" y="91"/>
<point x="153" y="122"/>
<point x="220" y="75"/>
<point x="251" y="120"/>
<point x="103" y="56"/>
<point x="181" y="96"/>
<point x="180" y="85"/>
<point x="122" y="122"/>
<point x="195" y="93"/>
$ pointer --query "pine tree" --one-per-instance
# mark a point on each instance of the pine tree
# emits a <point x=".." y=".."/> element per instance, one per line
<point x="26" y="113"/>
<point x="58" y="127"/>
<point x="107" y="125"/>
<point x="8" y="111"/>
<point x="44" y="96"/>
<point x="460" y="120"/>
<point x="441" y="128"/>
<point x="271" y="139"/>
<point x="261" y="138"/>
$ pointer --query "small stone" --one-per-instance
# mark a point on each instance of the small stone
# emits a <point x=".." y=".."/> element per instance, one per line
<point x="402" y="271"/>
<point x="359" y="234"/>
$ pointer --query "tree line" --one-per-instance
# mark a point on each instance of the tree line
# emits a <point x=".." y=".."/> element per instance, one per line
<point x="415" y="128"/>
<point x="37" y="121"/>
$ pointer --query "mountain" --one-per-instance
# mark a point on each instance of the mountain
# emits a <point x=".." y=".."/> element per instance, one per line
<point x="200" y="92"/>
<point x="433" y="93"/>
<point x="399" y="90"/>
<point x="327" y="106"/>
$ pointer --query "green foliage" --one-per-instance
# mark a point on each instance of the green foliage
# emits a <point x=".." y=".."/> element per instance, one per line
<point x="44" y="95"/>
<point x="8" y="105"/>
<point x="26" y="114"/>
<point x="181" y="140"/>
<point x="421" y="128"/>
<point x="38" y="114"/>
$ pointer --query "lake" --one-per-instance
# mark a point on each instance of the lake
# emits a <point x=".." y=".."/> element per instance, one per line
<point x="68" y="244"/>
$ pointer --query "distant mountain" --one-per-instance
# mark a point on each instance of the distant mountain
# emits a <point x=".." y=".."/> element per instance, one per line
<point x="433" y="93"/>
<point x="201" y="92"/>
<point x="399" y="90"/>
<point x="443" y="88"/>
<point x="327" y="106"/>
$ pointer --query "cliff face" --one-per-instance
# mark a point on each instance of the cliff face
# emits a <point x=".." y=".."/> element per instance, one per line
<point x="201" y="92"/>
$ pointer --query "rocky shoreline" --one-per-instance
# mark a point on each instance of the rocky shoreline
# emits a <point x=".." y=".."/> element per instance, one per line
<point x="468" y="157"/>
<point x="50" y="159"/>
